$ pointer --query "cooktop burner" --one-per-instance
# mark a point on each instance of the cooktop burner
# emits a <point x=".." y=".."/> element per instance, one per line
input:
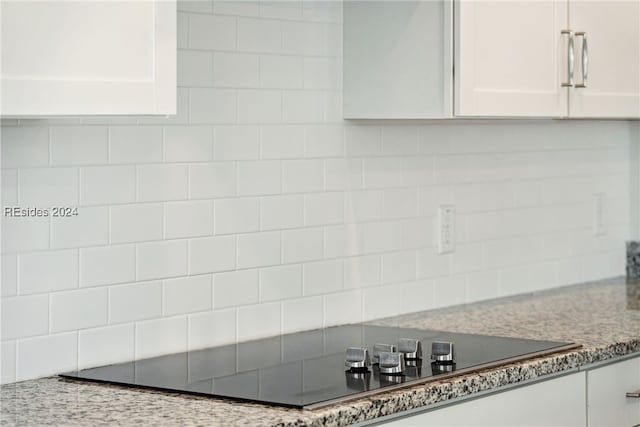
<point x="316" y="368"/>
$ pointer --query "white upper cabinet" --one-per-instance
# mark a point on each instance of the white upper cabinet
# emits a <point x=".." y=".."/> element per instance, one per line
<point x="88" y="57"/>
<point x="519" y="58"/>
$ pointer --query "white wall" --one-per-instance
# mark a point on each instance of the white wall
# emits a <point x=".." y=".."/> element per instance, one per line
<point x="257" y="210"/>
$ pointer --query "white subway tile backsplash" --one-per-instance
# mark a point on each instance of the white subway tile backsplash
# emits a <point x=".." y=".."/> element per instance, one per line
<point x="135" y="144"/>
<point x="212" y="329"/>
<point x="381" y="301"/>
<point x="259" y="106"/>
<point x="61" y="355"/>
<point x="416" y="296"/>
<point x="322" y="277"/>
<point x="81" y="309"/>
<point x="431" y="264"/>
<point x="259" y="249"/>
<point x="302" y="38"/>
<point x="45" y="188"/>
<point x="383" y="237"/>
<point x="343" y="174"/>
<point x="343" y="240"/>
<point x="324" y="141"/>
<point x="24" y="234"/>
<point x="236" y="143"/>
<point x="7" y="362"/>
<point x="259" y="178"/>
<point x="281" y="212"/>
<point x="104" y="346"/>
<point x="188" y="219"/>
<point x="302" y="314"/>
<point x="79" y="145"/>
<point x="211" y="254"/>
<point x="400" y="203"/>
<point x="212" y="32"/>
<point x="236" y="69"/>
<point x="9" y="278"/>
<point x="180" y="118"/>
<point x="43" y="272"/>
<point x="363" y="141"/>
<point x="259" y="35"/>
<point x="161" y="259"/>
<point x="235" y="288"/>
<point x="400" y="140"/>
<point x="9" y="189"/>
<point x="187" y="295"/>
<point x="262" y="320"/>
<point x="324" y="209"/>
<point x="162" y="182"/>
<point x="280" y="72"/>
<point x="212" y="106"/>
<point x="237" y="8"/>
<point x="90" y="227"/>
<point x="107" y="265"/>
<point x="210" y="180"/>
<point x="303" y="106"/>
<point x="322" y="73"/>
<point x="482" y="285"/>
<point x="360" y="272"/>
<point x="24" y="146"/>
<point x="24" y="316"/>
<point x="104" y="185"/>
<point x="163" y="336"/>
<point x="362" y="206"/>
<point x="449" y="291"/>
<point x="199" y="6"/>
<point x="138" y="301"/>
<point x="188" y="144"/>
<point x="467" y="258"/>
<point x="140" y="222"/>
<point x="399" y="267"/>
<point x="281" y="9"/>
<point x="237" y="215"/>
<point x="282" y="282"/>
<point x="343" y="307"/>
<point x="321" y="11"/>
<point x="282" y="142"/>
<point x="195" y="68"/>
<point x="300" y="176"/>
<point x="383" y="172"/>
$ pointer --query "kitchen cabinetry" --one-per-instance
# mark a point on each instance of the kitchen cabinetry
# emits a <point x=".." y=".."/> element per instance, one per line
<point x="532" y="58"/>
<point x="607" y="403"/>
<point x="88" y="57"/>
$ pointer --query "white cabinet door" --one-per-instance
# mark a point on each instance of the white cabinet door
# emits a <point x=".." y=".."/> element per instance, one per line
<point x="511" y="58"/>
<point x="557" y="402"/>
<point x="607" y="404"/>
<point x="613" y="33"/>
<point x="88" y="57"/>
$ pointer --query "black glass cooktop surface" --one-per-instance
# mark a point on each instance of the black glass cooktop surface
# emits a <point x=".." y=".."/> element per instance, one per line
<point x="307" y="369"/>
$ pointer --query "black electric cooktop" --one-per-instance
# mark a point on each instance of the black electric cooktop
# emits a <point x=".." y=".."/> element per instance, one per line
<point x="307" y="370"/>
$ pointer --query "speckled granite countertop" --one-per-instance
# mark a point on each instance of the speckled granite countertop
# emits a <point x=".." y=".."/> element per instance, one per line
<point x="604" y="317"/>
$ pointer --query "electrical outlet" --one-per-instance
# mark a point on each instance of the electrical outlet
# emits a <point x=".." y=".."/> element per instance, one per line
<point x="446" y="229"/>
<point x="598" y="214"/>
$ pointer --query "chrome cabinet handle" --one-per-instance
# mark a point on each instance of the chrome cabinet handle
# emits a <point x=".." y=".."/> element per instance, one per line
<point x="585" y="59"/>
<point x="570" y="58"/>
<point x="635" y="394"/>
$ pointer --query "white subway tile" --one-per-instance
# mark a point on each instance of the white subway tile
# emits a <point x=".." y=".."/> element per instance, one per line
<point x="212" y="106"/>
<point x="399" y="267"/>
<point x="303" y="107"/>
<point x="61" y="352"/>
<point x="570" y="271"/>
<point x="360" y="206"/>
<point x="322" y="11"/>
<point x="237" y="215"/>
<point x="466" y="258"/>
<point x="22" y="234"/>
<point x="7" y="362"/>
<point x="258" y="321"/>
<point x="323" y="209"/>
<point x="450" y="291"/>
<point x="281" y="212"/>
<point x="236" y="70"/>
<point x="180" y="118"/>
<point x="430" y="198"/>
<point x="451" y="169"/>
<point x="302" y="245"/>
<point x="400" y="140"/>
<point x="343" y="240"/>
<point x="236" y="143"/>
<point x="106" y="265"/>
<point x="43" y="272"/>
<point x="212" y="254"/>
<point x="416" y="296"/>
<point x="161" y="259"/>
<point x="400" y="203"/>
<point x="187" y="295"/>
<point x="212" y="32"/>
<point x="432" y="264"/>
<point x="24" y="316"/>
<point x="383" y="236"/>
<point x="235" y="288"/>
<point x="135" y="144"/>
<point x="162" y="182"/>
<point x="195" y="68"/>
<point x="237" y="8"/>
<point x="212" y="329"/>
<point x="105" y="346"/>
<point x="9" y="195"/>
<point x="258" y="250"/>
<point x="324" y="141"/>
<point x="188" y="144"/>
<point x="212" y="180"/>
<point x="158" y="337"/>
<point x="103" y="185"/>
<point x="47" y="187"/>
<point x="199" y="6"/>
<point x="302" y="314"/>
<point x="482" y="285"/>
<point x="343" y="308"/>
<point x="259" y="35"/>
<point x="282" y="142"/>
<point x="188" y="219"/>
<point x="9" y="279"/>
<point x="259" y="178"/>
<point x="303" y="38"/>
<point x="281" y="9"/>
<point x="343" y="174"/>
<point x="79" y="145"/>
<point x="363" y="141"/>
<point x="497" y="253"/>
<point x="323" y="73"/>
<point x="24" y="146"/>
<point x="418" y="233"/>
<point x="90" y="227"/>
<point x="417" y="171"/>
<point x="138" y="301"/>
<point x="383" y="172"/>
<point x="132" y="223"/>
<point x="280" y="72"/>
<point x="282" y="282"/>
<point x="303" y="175"/>
<point x="322" y="277"/>
<point x="381" y="301"/>
<point x="332" y="41"/>
<point x="360" y="272"/>
<point x="74" y="310"/>
<point x="259" y="106"/>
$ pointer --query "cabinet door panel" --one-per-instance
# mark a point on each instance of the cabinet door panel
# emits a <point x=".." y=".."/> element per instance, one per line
<point x="607" y="404"/>
<point x="613" y="34"/>
<point x="510" y="58"/>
